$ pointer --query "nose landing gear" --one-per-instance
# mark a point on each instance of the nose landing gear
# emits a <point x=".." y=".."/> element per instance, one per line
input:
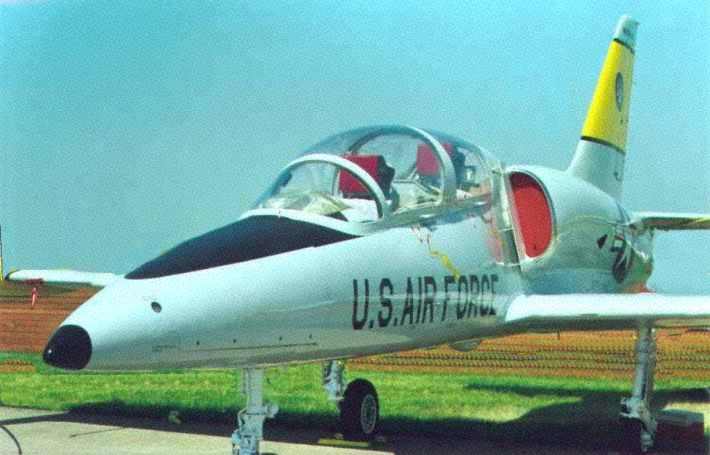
<point x="358" y="403"/>
<point x="246" y="438"/>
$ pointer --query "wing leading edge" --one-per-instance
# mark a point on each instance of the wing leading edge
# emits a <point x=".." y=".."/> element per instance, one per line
<point x="70" y="278"/>
<point x="607" y="312"/>
<point x="673" y="221"/>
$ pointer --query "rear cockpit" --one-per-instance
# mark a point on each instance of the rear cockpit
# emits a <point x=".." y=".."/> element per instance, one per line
<point x="378" y="176"/>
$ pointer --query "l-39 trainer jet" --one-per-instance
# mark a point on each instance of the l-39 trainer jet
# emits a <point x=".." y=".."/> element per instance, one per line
<point x="389" y="238"/>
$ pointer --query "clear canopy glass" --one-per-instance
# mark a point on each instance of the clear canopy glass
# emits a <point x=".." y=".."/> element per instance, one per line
<point x="367" y="173"/>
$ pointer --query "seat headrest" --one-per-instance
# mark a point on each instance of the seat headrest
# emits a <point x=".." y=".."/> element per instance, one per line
<point x="372" y="164"/>
<point x="427" y="164"/>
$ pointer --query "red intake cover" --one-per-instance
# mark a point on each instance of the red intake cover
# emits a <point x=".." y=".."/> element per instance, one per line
<point x="534" y="214"/>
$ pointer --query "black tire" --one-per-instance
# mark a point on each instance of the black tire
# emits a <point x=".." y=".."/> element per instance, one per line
<point x="360" y="411"/>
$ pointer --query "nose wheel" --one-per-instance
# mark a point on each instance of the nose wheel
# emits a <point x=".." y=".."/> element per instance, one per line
<point x="359" y="410"/>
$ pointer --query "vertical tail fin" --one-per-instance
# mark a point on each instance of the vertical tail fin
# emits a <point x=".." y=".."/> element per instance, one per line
<point x="601" y="151"/>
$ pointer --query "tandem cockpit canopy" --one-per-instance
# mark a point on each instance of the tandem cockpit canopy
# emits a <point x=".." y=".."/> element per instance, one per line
<point x="370" y="174"/>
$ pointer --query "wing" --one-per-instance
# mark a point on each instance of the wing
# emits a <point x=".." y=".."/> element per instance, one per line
<point x="607" y="311"/>
<point x="672" y="221"/>
<point x="65" y="278"/>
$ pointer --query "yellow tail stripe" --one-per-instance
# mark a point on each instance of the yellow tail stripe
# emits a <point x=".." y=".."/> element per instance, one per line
<point x="608" y="115"/>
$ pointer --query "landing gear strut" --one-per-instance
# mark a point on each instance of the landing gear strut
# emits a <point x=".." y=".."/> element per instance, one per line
<point x="246" y="438"/>
<point x="358" y="402"/>
<point x="636" y="415"/>
<point x="334" y="379"/>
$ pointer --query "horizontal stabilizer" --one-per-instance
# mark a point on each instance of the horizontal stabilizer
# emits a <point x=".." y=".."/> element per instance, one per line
<point x="59" y="277"/>
<point x="608" y="311"/>
<point x="672" y="221"/>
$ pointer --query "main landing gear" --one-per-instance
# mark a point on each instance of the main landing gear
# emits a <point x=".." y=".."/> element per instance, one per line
<point x="358" y="402"/>
<point x="636" y="416"/>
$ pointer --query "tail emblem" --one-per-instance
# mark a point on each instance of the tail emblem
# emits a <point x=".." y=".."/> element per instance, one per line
<point x="619" y="89"/>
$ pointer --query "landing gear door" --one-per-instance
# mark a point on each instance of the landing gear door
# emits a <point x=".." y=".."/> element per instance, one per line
<point x="502" y="223"/>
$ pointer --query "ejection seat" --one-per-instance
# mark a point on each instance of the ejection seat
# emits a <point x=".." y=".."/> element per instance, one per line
<point x="428" y="166"/>
<point x="363" y="207"/>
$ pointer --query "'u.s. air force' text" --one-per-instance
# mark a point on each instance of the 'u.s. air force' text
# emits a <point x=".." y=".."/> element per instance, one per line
<point x="468" y="296"/>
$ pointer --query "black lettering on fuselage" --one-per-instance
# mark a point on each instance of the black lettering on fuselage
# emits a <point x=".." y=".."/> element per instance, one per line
<point x="429" y="298"/>
<point x="386" y="303"/>
<point x="448" y="279"/>
<point x="408" y="309"/>
<point x="475" y="297"/>
<point x="359" y="322"/>
<point x="485" y="290"/>
<point x="494" y="280"/>
<point x="461" y="301"/>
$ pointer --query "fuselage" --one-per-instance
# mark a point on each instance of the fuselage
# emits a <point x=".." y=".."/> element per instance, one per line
<point x="309" y="287"/>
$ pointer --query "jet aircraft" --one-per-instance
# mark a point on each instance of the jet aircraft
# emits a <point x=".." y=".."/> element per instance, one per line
<point x="390" y="238"/>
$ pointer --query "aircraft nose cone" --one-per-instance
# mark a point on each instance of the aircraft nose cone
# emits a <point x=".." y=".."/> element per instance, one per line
<point x="69" y="348"/>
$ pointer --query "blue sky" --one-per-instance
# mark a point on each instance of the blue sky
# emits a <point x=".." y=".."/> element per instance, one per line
<point x="128" y="127"/>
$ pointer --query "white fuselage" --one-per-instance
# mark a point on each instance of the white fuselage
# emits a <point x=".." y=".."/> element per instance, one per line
<point x="380" y="293"/>
<point x="402" y="288"/>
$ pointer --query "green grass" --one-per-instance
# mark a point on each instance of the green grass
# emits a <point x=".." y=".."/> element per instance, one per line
<point x="570" y="411"/>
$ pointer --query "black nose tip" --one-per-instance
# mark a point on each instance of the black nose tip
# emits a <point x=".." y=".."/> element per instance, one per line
<point x="69" y="348"/>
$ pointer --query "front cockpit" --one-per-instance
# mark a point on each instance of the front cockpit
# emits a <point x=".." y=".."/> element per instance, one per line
<point x="368" y="175"/>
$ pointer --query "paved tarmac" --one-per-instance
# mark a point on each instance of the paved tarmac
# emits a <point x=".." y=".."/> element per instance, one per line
<point x="30" y="432"/>
<point x="25" y="431"/>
